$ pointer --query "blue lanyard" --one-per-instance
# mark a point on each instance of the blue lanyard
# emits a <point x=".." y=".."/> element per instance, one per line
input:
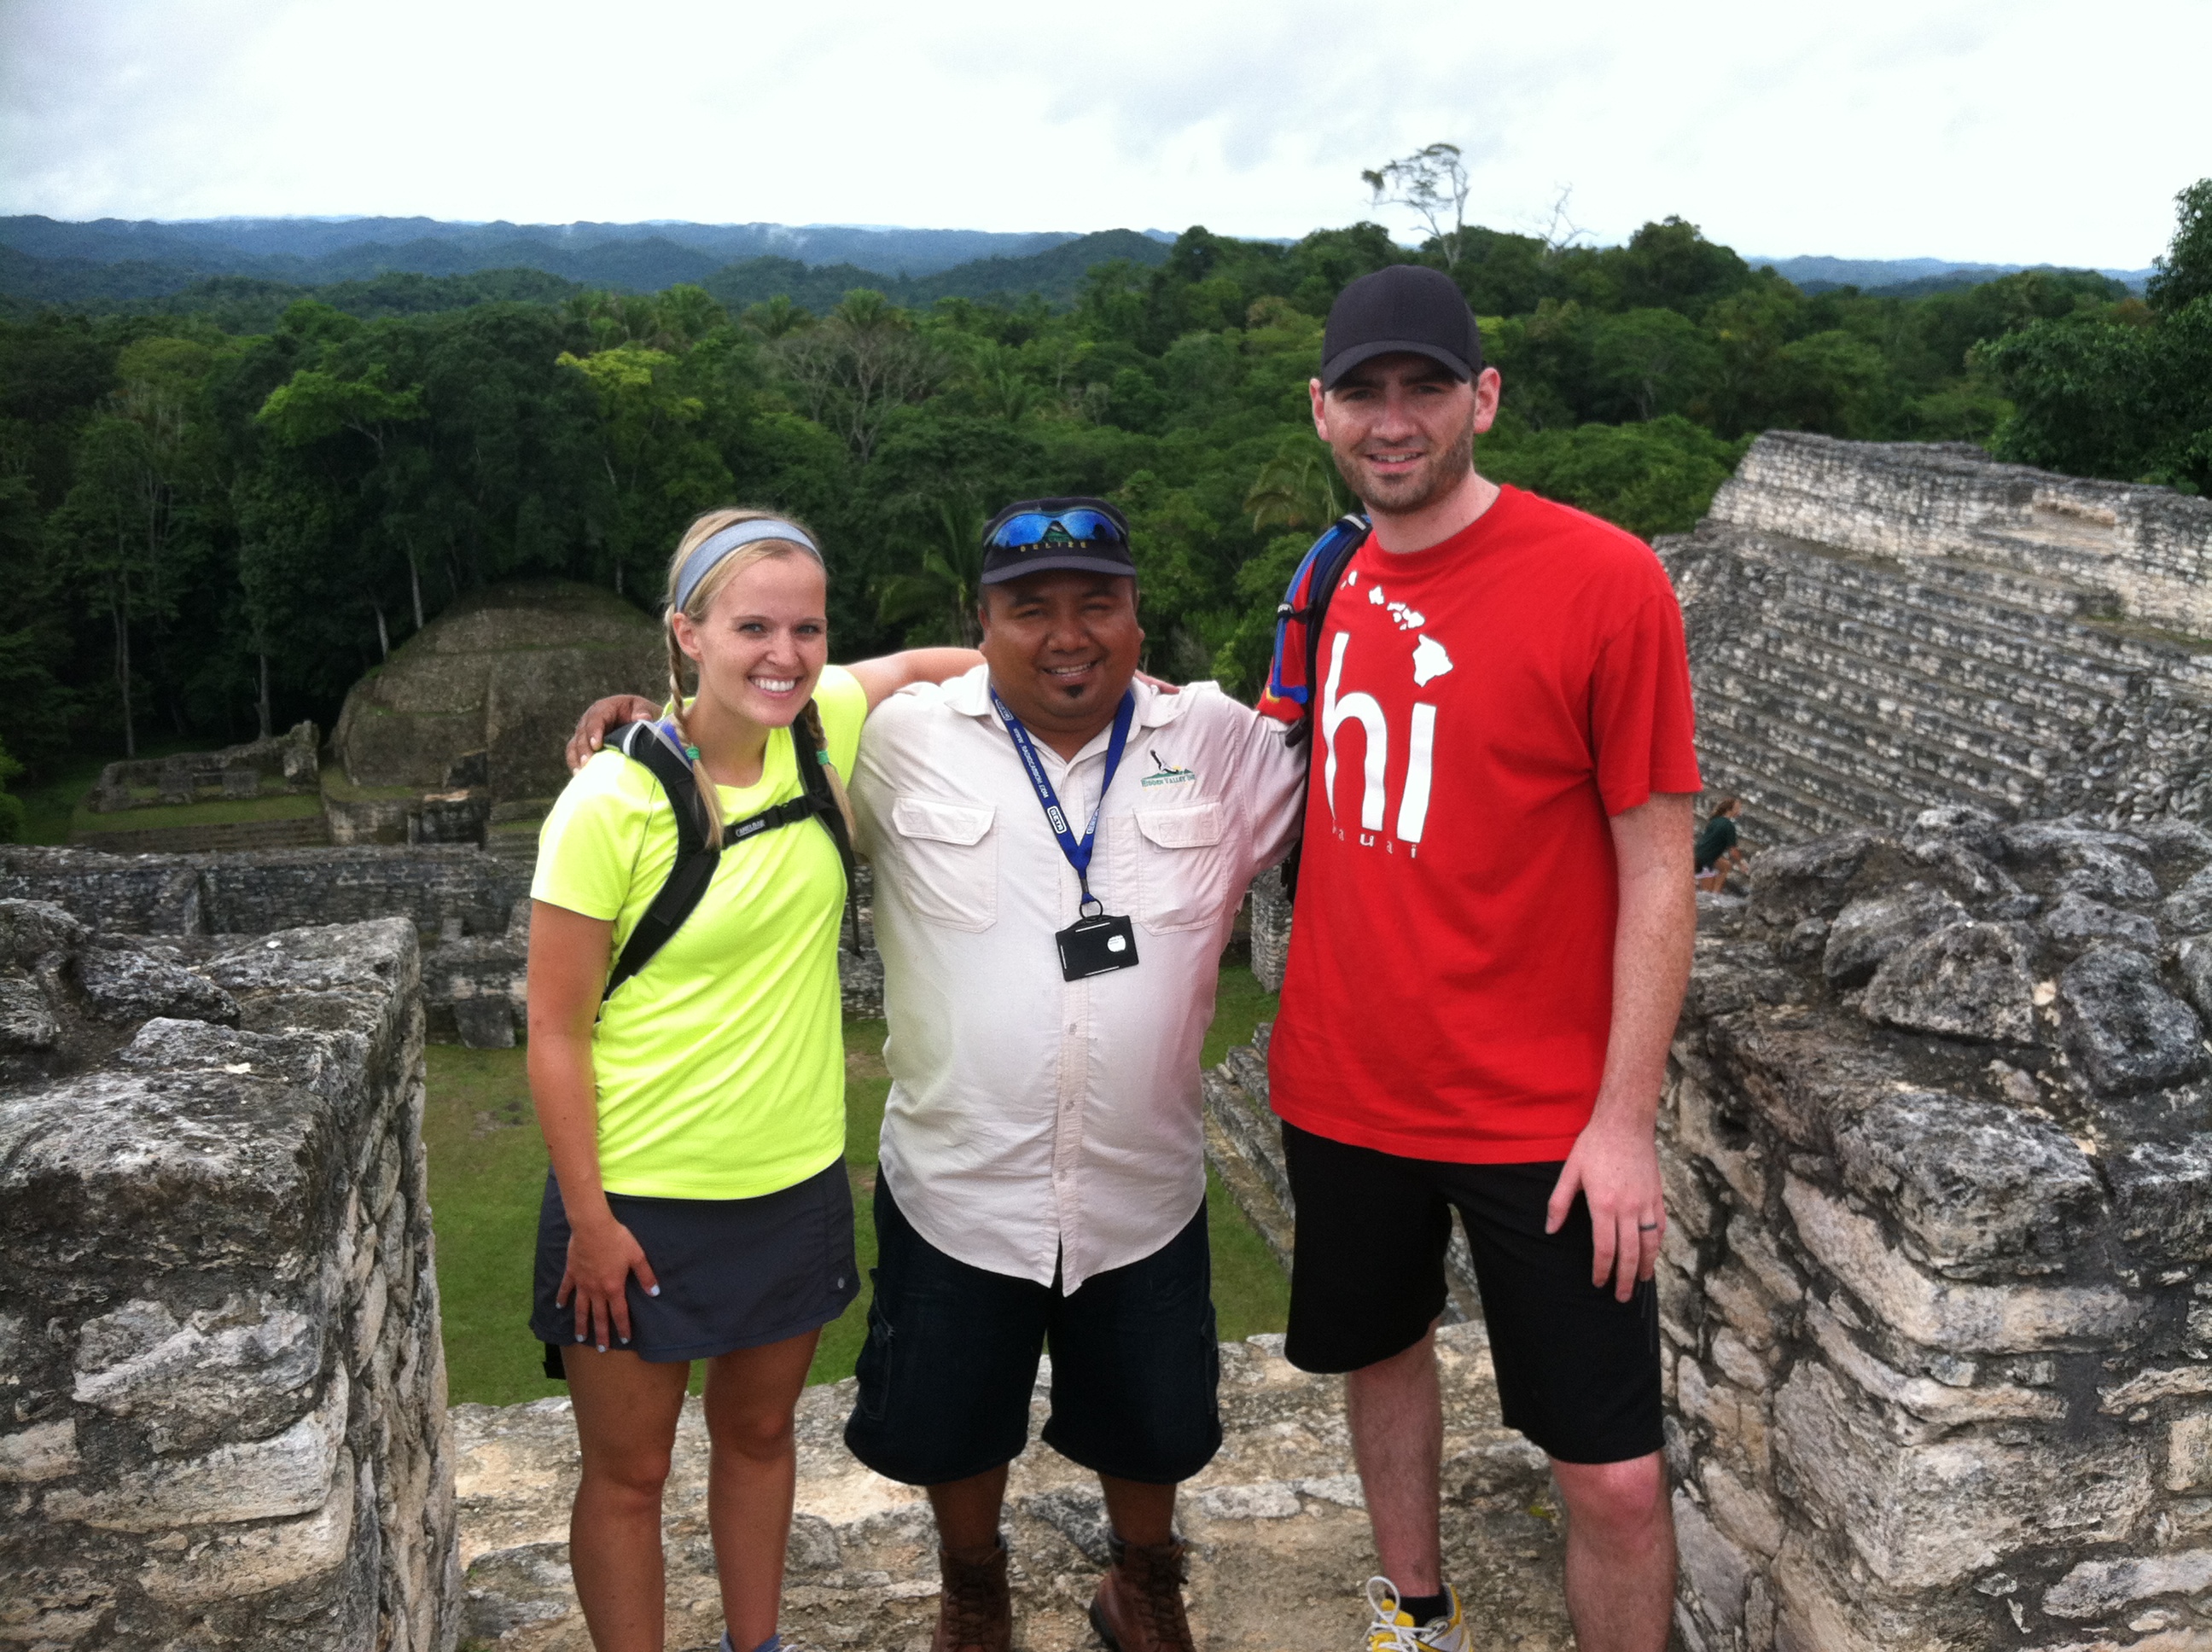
<point x="1078" y="853"/>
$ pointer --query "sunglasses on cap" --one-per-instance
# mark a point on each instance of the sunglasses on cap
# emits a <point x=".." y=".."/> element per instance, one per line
<point x="1077" y="527"/>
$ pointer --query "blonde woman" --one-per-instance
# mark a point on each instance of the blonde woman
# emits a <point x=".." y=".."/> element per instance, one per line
<point x="697" y="1206"/>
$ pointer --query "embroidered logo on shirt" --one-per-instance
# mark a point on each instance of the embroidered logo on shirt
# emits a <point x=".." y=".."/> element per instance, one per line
<point x="1166" y="773"/>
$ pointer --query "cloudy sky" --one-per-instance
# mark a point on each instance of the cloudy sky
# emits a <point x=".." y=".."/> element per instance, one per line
<point x="2005" y="130"/>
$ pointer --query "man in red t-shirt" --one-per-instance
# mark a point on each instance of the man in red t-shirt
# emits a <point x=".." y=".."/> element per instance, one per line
<point x="1494" y="922"/>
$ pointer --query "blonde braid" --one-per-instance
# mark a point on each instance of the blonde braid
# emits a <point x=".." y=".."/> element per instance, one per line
<point x="812" y="717"/>
<point x="707" y="795"/>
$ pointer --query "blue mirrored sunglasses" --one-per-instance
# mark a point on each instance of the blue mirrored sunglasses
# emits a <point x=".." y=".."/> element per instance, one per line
<point x="1035" y="527"/>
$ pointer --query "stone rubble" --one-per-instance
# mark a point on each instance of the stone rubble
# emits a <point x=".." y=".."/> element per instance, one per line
<point x="1279" y="1535"/>
<point x="222" y="1395"/>
<point x="1933" y="1296"/>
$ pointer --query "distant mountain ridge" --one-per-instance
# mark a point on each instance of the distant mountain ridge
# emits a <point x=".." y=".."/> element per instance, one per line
<point x="362" y="280"/>
<point x="310" y="250"/>
<point x="1816" y="274"/>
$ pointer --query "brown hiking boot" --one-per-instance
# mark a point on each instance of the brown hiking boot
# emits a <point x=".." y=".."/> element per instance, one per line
<point x="1138" y="1606"/>
<point x="975" y="1614"/>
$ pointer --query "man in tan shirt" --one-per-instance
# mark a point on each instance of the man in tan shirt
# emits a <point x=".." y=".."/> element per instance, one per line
<point x="1047" y="988"/>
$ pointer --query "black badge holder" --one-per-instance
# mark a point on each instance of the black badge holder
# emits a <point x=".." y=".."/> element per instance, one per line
<point x="1095" y="943"/>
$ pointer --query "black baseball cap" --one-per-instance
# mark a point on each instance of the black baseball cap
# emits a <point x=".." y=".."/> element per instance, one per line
<point x="1407" y="309"/>
<point x="1038" y="536"/>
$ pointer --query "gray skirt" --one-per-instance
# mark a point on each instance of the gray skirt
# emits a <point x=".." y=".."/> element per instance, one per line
<point x="734" y="1273"/>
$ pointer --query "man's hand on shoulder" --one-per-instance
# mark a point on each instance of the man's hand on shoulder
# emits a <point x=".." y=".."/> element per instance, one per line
<point x="599" y="717"/>
<point x="1615" y="1167"/>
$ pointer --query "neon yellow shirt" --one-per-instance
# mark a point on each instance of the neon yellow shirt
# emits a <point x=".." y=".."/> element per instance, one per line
<point x="721" y="1065"/>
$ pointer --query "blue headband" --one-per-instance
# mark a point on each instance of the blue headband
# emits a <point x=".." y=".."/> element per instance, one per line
<point x="715" y="546"/>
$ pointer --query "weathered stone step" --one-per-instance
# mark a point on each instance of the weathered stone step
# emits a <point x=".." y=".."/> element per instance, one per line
<point x="1278" y="1528"/>
<point x="1799" y="599"/>
<point x="2059" y="599"/>
<point x="1914" y="710"/>
<point x="1775" y="809"/>
<point x="1872" y="755"/>
<point x="2040" y="710"/>
<point x="1798" y="786"/>
<point x="1926" y="592"/>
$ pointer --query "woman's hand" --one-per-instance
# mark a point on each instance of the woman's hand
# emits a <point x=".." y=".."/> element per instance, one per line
<point x="603" y="1255"/>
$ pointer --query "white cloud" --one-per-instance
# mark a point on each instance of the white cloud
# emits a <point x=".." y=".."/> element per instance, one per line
<point x="2011" y="132"/>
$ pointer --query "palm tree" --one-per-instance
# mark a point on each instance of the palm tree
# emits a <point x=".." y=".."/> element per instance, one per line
<point x="1295" y="490"/>
<point x="937" y="602"/>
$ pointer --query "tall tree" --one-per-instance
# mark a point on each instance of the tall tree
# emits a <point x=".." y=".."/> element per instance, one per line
<point x="1432" y="183"/>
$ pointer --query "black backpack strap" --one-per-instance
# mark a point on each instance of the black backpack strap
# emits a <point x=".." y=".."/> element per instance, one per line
<point x="1350" y="531"/>
<point x="654" y="745"/>
<point x="695" y="856"/>
<point x="814" y="779"/>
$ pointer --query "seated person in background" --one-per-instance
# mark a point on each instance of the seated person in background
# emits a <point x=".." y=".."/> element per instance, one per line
<point x="1718" y="853"/>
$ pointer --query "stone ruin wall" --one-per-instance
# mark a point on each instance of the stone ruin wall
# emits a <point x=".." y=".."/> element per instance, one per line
<point x="1877" y="629"/>
<point x="470" y="910"/>
<point x="2146" y="550"/>
<point x="222" y="1393"/>
<point x="1934" y="1299"/>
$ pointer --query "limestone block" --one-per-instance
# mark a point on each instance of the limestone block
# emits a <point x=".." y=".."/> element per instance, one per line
<point x="1871" y="928"/>
<point x="1967" y="981"/>
<point x="26" y="1021"/>
<point x="1703" y="1131"/>
<point x="1928" y="1514"/>
<point x="2189" y="909"/>
<point x="2150" y="1387"/>
<point x="2162" y="1195"/>
<point x="287" y="1474"/>
<point x="1979" y="1188"/>
<point x="255" y="1560"/>
<point x="1953" y="1318"/>
<point x="2193" y="956"/>
<point x="243" y="1370"/>
<point x="57" y="1607"/>
<point x="2189" y="1452"/>
<point x="2100" y="872"/>
<point x="1748" y="1517"/>
<point x="2076" y="921"/>
<point x="1932" y="1401"/>
<point x="2097" y="1588"/>
<point x="44" y="1451"/>
<point x="1745" y="1304"/>
<point x="2128" y="1032"/>
<point x="1809" y="1615"/>
<point x="1714" y="1572"/>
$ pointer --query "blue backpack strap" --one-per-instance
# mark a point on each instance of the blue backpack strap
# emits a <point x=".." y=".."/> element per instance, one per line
<point x="1305" y="605"/>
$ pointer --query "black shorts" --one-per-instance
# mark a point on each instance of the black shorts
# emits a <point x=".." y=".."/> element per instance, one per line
<point x="734" y="1273"/>
<point x="952" y="1358"/>
<point x="1578" y="1368"/>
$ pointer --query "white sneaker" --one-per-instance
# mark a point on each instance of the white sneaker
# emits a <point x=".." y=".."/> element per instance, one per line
<point x="1393" y="1631"/>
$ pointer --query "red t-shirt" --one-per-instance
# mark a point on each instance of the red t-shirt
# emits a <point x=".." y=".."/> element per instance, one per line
<point x="1480" y="709"/>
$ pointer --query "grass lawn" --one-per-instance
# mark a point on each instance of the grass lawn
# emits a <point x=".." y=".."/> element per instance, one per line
<point x="487" y="1165"/>
<point x="51" y="801"/>
<point x="216" y="811"/>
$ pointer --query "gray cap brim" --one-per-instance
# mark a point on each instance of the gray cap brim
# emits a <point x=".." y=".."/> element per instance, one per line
<point x="1344" y="361"/>
<point x="1054" y="562"/>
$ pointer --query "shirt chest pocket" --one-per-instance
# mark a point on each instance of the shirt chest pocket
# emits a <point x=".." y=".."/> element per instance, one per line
<point x="1182" y="865"/>
<point x="947" y="861"/>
